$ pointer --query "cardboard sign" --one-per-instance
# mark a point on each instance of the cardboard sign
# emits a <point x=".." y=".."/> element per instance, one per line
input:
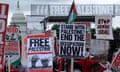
<point x="103" y="27"/>
<point x="39" y="53"/>
<point x="72" y="40"/>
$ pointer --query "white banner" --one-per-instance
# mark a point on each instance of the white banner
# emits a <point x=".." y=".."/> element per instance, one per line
<point x="103" y="27"/>
<point x="63" y="9"/>
<point x="72" y="40"/>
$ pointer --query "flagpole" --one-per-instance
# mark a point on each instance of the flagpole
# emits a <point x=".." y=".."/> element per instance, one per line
<point x="72" y="60"/>
<point x="71" y="20"/>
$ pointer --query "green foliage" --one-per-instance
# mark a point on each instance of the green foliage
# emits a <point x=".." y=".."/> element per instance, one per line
<point x="116" y="33"/>
<point x="56" y="27"/>
<point x="93" y="36"/>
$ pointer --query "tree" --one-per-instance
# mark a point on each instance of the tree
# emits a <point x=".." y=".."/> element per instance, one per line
<point x="56" y="27"/>
<point x="93" y="33"/>
<point x="114" y="44"/>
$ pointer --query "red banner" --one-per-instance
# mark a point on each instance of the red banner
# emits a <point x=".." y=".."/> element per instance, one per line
<point x="116" y="61"/>
<point x="3" y="19"/>
<point x="3" y="25"/>
<point x="12" y="47"/>
<point x="12" y="41"/>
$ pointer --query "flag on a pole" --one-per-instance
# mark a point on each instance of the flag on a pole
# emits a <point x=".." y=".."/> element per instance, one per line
<point x="72" y="14"/>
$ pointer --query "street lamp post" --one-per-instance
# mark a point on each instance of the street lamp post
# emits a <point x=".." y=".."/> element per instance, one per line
<point x="44" y="22"/>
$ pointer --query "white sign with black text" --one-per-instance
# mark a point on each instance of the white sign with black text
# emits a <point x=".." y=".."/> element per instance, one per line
<point x="72" y="40"/>
<point x="103" y="27"/>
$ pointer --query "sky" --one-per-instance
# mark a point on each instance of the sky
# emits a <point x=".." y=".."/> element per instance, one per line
<point x="25" y="6"/>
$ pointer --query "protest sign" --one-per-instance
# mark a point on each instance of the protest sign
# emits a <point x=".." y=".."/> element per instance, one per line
<point x="72" y="40"/>
<point x="12" y="34"/>
<point x="116" y="61"/>
<point x="103" y="27"/>
<point x="12" y="45"/>
<point x="39" y="53"/>
<point x="3" y="25"/>
<point x="3" y="20"/>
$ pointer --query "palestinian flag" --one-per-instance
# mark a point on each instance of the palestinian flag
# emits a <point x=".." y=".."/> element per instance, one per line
<point x="72" y="15"/>
<point x="16" y="61"/>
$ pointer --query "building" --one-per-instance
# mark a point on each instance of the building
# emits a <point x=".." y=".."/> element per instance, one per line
<point x="18" y="19"/>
